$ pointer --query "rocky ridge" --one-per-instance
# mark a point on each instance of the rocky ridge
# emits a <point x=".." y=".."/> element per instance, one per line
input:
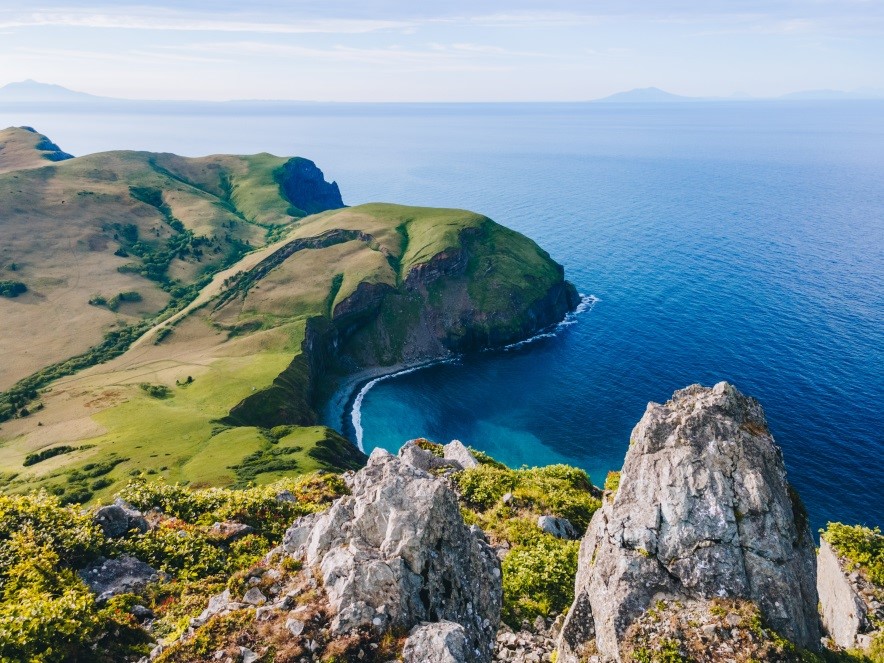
<point x="703" y="511"/>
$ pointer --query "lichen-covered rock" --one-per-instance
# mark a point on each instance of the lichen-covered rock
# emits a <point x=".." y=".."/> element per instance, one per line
<point x="418" y="457"/>
<point x="703" y="510"/>
<point x="849" y="603"/>
<point x="229" y="530"/>
<point x="561" y="528"/>
<point x="109" y="577"/>
<point x="396" y="553"/>
<point x="437" y="642"/>
<point x="456" y="451"/>
<point x="119" y="518"/>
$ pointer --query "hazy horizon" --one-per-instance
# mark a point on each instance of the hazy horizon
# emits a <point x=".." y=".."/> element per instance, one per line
<point x="522" y="50"/>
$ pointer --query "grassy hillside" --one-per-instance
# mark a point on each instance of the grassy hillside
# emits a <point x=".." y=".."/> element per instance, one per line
<point x="225" y="393"/>
<point x="107" y="241"/>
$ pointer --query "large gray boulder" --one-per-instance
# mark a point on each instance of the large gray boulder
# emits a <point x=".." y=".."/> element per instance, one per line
<point x="109" y="577"/>
<point x="120" y="518"/>
<point x="703" y="510"/>
<point x="396" y="553"/>
<point x="847" y="601"/>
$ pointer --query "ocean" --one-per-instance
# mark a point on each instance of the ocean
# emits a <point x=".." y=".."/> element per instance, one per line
<point x="714" y="241"/>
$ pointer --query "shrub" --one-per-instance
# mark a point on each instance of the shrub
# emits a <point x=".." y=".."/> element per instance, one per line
<point x="538" y="578"/>
<point x="34" y="458"/>
<point x="156" y="390"/>
<point x="12" y="288"/>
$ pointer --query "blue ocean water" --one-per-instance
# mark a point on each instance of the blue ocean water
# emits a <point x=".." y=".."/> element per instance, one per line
<point x="725" y="241"/>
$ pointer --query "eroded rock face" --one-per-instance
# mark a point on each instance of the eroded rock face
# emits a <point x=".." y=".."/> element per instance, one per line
<point x="703" y="511"/>
<point x="396" y="553"/>
<point x="845" y="611"/>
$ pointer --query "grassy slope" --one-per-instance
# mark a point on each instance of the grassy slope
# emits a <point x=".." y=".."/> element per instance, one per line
<point x="236" y="350"/>
<point x="58" y="236"/>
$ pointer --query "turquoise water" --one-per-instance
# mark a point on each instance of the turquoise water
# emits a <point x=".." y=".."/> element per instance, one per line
<point x="740" y="242"/>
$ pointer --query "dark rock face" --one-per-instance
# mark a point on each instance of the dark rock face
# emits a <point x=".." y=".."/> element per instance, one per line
<point x="109" y="577"/>
<point x="119" y="518"/>
<point x="305" y="187"/>
<point x="397" y="553"/>
<point x="703" y="511"/>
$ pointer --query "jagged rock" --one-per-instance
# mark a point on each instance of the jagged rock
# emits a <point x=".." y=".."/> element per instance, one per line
<point x="703" y="510"/>
<point x="109" y="577"/>
<point x="396" y="553"/>
<point x="561" y="528"/>
<point x="229" y="531"/>
<point x="845" y="614"/>
<point x="456" y="451"/>
<point x="438" y="642"/>
<point x="119" y="518"/>
<point x="418" y="457"/>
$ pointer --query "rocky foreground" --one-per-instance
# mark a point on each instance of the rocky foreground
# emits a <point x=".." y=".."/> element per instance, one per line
<point x="699" y="551"/>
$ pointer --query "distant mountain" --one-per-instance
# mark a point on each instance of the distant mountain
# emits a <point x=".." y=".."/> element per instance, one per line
<point x="29" y="90"/>
<point x="645" y="95"/>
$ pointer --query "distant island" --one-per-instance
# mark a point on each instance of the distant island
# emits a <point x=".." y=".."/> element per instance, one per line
<point x="34" y="92"/>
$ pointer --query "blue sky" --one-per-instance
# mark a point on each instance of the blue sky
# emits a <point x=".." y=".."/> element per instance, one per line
<point x="483" y="50"/>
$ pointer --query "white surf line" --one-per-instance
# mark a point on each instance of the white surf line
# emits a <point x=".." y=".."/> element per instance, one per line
<point x="587" y="302"/>
<point x="356" y="412"/>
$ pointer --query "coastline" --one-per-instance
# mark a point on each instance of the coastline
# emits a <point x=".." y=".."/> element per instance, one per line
<point x="347" y="398"/>
<point x="340" y="404"/>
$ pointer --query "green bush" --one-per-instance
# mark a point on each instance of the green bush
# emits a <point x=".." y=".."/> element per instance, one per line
<point x="34" y="458"/>
<point x="538" y="578"/>
<point x="12" y="288"/>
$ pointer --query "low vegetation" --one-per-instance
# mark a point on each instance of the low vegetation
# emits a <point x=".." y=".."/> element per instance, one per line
<point x="48" y="614"/>
<point x="12" y="288"/>
<point x="863" y="546"/>
<point x="539" y="569"/>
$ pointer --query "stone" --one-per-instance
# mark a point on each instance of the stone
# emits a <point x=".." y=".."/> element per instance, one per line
<point x="420" y="458"/>
<point x="285" y="496"/>
<point x="399" y="541"/>
<point x="254" y="597"/>
<point x="438" y="642"/>
<point x="703" y="510"/>
<point x="457" y="452"/>
<point x="141" y="612"/>
<point x="295" y="626"/>
<point x="125" y="574"/>
<point x="844" y="612"/>
<point x="561" y="528"/>
<point x="120" y="518"/>
<point x="247" y="655"/>
<point x="229" y="530"/>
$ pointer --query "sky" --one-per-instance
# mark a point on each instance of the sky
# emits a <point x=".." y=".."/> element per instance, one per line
<point x="459" y="50"/>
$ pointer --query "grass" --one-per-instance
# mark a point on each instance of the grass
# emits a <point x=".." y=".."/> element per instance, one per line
<point x="243" y="348"/>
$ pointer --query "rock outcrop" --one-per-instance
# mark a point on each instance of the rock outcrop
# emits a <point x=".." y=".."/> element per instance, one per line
<point x="850" y="605"/>
<point x="703" y="511"/>
<point x="109" y="577"/>
<point x="439" y="642"/>
<point x="396" y="553"/>
<point x="119" y="518"/>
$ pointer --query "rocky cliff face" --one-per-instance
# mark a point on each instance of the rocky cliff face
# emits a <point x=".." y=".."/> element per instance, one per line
<point x="305" y="187"/>
<point x="703" y="511"/>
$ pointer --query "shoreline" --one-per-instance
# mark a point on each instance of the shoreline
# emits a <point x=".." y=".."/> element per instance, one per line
<point x="348" y="396"/>
<point x="340" y="404"/>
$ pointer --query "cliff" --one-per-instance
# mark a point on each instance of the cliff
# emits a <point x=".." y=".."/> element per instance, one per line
<point x="223" y="384"/>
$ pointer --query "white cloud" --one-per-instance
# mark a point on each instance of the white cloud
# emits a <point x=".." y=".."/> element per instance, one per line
<point x="177" y="21"/>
